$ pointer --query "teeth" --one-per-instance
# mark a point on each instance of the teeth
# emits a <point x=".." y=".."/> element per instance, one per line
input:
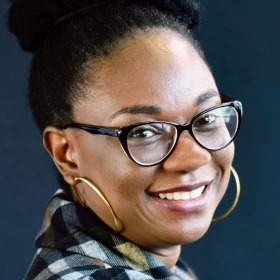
<point x="183" y="195"/>
<point x="169" y="196"/>
<point x="162" y="195"/>
<point x="195" y="193"/>
<point x="177" y="195"/>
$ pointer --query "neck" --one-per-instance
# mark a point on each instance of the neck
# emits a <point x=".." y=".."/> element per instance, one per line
<point x="168" y="256"/>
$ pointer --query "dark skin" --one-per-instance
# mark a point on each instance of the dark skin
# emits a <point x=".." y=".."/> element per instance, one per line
<point x="162" y="70"/>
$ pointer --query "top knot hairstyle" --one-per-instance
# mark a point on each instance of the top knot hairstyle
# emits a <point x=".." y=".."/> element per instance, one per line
<point x="63" y="34"/>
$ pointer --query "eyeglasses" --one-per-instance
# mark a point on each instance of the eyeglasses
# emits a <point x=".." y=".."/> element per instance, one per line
<point x="150" y="143"/>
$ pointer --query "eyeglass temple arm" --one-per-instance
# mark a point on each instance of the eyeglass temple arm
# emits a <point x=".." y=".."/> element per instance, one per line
<point x="225" y="98"/>
<point x="94" y="129"/>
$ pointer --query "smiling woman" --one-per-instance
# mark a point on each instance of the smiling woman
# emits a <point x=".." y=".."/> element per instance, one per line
<point x="156" y="162"/>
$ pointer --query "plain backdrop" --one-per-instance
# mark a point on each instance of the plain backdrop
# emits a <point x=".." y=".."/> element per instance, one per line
<point x="241" y="40"/>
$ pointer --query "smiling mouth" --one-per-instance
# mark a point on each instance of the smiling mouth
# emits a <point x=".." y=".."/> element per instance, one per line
<point x="182" y="195"/>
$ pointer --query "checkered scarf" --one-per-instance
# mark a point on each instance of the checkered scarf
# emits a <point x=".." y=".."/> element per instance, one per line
<point x="75" y="244"/>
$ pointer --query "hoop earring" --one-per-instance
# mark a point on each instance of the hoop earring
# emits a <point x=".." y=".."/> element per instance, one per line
<point x="118" y="225"/>
<point x="237" y="181"/>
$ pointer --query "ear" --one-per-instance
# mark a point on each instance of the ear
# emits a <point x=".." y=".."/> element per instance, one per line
<point x="58" y="145"/>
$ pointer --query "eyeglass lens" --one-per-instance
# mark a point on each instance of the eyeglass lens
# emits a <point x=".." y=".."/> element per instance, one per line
<point x="150" y="143"/>
<point x="215" y="129"/>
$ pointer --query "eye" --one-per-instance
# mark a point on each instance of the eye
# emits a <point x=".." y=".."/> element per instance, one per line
<point x="209" y="122"/>
<point x="206" y="119"/>
<point x="142" y="133"/>
<point x="145" y="131"/>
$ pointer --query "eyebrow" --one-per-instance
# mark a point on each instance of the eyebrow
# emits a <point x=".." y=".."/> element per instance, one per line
<point x="205" y="96"/>
<point x="138" y="109"/>
<point x="153" y="110"/>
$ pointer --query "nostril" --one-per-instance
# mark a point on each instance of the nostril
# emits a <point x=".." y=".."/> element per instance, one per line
<point x="188" y="156"/>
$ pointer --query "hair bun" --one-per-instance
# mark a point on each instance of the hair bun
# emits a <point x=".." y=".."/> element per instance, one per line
<point x="28" y="20"/>
<point x="31" y="20"/>
<point x="186" y="11"/>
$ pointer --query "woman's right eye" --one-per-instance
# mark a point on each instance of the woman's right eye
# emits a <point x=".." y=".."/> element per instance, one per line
<point x="144" y="132"/>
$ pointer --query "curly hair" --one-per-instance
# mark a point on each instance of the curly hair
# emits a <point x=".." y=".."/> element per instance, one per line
<point x="64" y="34"/>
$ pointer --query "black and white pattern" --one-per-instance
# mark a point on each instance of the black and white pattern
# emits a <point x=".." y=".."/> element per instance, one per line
<point x="75" y="244"/>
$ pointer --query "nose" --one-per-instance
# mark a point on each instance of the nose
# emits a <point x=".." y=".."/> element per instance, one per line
<point x="187" y="155"/>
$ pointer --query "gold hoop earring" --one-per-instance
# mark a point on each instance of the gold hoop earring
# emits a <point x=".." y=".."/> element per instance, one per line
<point x="118" y="225"/>
<point x="237" y="182"/>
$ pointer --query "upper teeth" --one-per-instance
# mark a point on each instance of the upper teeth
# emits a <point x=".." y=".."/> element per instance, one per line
<point x="183" y="195"/>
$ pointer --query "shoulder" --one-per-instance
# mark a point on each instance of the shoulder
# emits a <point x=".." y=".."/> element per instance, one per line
<point x="54" y="264"/>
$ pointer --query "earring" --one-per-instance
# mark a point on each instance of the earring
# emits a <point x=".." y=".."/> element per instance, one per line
<point x="237" y="182"/>
<point x="118" y="225"/>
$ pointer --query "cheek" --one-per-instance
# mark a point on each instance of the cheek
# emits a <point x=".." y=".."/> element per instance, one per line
<point x="223" y="160"/>
<point x="98" y="153"/>
<point x="103" y="161"/>
<point x="120" y="180"/>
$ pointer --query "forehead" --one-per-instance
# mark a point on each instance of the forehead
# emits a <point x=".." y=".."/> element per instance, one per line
<point x="151" y="55"/>
<point x="159" y="67"/>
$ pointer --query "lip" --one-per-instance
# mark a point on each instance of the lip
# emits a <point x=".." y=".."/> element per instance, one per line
<point x="184" y="206"/>
<point x="183" y="188"/>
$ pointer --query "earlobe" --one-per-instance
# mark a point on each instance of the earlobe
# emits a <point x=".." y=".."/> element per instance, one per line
<point x="61" y="151"/>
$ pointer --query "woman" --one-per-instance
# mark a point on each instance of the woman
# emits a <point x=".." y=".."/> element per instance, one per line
<point x="132" y="118"/>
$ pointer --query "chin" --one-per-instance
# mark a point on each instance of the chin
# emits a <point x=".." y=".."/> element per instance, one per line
<point x="189" y="236"/>
<point x="187" y="233"/>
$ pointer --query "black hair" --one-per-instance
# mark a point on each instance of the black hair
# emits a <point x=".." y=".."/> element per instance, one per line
<point x="61" y="50"/>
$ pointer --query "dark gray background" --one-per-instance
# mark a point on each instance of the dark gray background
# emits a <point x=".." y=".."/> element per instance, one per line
<point x="241" y="40"/>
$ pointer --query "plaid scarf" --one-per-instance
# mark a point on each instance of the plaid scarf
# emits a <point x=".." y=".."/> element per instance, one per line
<point x="75" y="244"/>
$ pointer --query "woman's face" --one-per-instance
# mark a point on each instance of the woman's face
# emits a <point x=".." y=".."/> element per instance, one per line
<point x="161" y="73"/>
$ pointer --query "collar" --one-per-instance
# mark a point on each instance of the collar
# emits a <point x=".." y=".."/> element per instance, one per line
<point x="70" y="227"/>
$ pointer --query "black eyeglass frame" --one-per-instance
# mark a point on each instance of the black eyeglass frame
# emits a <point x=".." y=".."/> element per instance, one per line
<point x="122" y="132"/>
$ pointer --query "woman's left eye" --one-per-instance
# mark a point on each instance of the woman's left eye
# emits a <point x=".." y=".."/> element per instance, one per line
<point x="206" y="119"/>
